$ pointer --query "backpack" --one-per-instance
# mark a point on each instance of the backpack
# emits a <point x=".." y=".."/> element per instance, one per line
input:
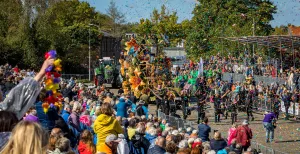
<point x="140" y="110"/>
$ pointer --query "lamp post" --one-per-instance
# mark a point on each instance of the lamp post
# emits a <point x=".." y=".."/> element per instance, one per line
<point x="90" y="49"/>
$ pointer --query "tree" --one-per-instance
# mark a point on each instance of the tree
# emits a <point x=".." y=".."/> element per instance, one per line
<point x="163" y="24"/>
<point x="213" y="19"/>
<point x="65" y="27"/>
<point x="117" y="17"/>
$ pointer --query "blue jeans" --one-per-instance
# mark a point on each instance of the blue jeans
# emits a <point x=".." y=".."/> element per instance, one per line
<point x="269" y="131"/>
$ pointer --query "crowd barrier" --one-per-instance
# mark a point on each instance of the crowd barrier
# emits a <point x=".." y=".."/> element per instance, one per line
<point x="181" y="123"/>
<point x="235" y="77"/>
<point x="77" y="76"/>
<point x="174" y="121"/>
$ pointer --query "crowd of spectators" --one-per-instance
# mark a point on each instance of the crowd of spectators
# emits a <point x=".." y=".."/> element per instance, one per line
<point x="110" y="124"/>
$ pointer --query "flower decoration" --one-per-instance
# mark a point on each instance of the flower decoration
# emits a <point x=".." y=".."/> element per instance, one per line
<point x="53" y="97"/>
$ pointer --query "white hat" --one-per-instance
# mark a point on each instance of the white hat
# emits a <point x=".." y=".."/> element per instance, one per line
<point x="175" y="132"/>
<point x="183" y="144"/>
<point x="112" y="138"/>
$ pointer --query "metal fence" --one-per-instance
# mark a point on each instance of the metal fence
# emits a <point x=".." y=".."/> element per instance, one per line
<point x="241" y="78"/>
<point x="174" y="121"/>
<point x="265" y="150"/>
<point x="77" y="76"/>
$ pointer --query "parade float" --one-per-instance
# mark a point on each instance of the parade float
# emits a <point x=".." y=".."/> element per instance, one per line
<point x="144" y="67"/>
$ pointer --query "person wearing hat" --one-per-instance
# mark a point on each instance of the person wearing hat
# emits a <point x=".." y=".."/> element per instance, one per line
<point x="110" y="145"/>
<point x="141" y="109"/>
<point x="244" y="135"/>
<point x="122" y="106"/>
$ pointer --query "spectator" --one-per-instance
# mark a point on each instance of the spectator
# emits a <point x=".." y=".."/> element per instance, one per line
<point x="231" y="133"/>
<point x="66" y="112"/>
<point x="110" y="146"/>
<point x="123" y="145"/>
<point x="183" y="145"/>
<point x="194" y="134"/>
<point x="197" y="143"/>
<point x="204" y="130"/>
<point x="35" y="139"/>
<point x="8" y="120"/>
<point x="86" y="145"/>
<point x="159" y="147"/>
<point x="62" y="146"/>
<point x="139" y="144"/>
<point x="151" y="135"/>
<point x="131" y="128"/>
<point x="171" y="148"/>
<point x="105" y="125"/>
<point x="74" y="116"/>
<point x="122" y="106"/>
<point x="23" y="96"/>
<point x="55" y="134"/>
<point x="218" y="143"/>
<point x="235" y="147"/>
<point x="196" y="150"/>
<point x="32" y="116"/>
<point x="244" y="135"/>
<point x="141" y="109"/>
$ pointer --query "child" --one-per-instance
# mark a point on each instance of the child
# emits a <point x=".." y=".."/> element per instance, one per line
<point x="86" y="145"/>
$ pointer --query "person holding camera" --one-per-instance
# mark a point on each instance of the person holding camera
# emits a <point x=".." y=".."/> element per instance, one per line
<point x="269" y="123"/>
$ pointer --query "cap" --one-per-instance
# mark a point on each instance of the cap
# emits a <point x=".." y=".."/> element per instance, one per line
<point x="245" y="122"/>
<point x="112" y="138"/>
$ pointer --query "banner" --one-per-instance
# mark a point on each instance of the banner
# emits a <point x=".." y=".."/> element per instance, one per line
<point x="291" y="108"/>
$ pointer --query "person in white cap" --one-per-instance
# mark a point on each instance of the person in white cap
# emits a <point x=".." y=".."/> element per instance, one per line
<point x="111" y="144"/>
<point x="244" y="135"/>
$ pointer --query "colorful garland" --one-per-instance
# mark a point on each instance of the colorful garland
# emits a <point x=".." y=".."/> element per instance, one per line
<point x="53" y="97"/>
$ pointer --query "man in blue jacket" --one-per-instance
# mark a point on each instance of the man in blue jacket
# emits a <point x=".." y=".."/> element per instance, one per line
<point x="66" y="113"/>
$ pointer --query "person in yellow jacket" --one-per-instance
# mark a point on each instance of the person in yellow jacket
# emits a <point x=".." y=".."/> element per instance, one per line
<point x="106" y="124"/>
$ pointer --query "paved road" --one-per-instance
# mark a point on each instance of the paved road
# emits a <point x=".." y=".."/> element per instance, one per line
<point x="287" y="133"/>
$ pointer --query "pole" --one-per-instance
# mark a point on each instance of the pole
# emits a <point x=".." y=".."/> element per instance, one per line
<point x="89" y="53"/>
<point x="253" y="33"/>
<point x="293" y="52"/>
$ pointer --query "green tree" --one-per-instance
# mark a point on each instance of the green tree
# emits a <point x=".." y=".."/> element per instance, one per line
<point x="164" y="24"/>
<point x="231" y="18"/>
<point x="65" y="27"/>
<point x="117" y="17"/>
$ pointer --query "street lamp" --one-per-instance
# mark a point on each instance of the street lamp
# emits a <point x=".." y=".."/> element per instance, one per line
<point x="90" y="49"/>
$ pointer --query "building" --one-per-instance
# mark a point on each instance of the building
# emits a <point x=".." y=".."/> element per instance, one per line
<point x="110" y="46"/>
<point x="294" y="30"/>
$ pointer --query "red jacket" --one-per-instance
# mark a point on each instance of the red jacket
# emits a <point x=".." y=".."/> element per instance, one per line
<point x="244" y="135"/>
<point x="83" y="149"/>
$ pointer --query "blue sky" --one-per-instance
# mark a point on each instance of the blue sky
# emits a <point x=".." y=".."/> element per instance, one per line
<point x="288" y="10"/>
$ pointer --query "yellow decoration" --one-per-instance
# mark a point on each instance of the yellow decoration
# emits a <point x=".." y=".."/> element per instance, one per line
<point x="57" y="62"/>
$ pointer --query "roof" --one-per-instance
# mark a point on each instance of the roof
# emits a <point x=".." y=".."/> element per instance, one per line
<point x="275" y="41"/>
<point x="294" y="30"/>
<point x="106" y="34"/>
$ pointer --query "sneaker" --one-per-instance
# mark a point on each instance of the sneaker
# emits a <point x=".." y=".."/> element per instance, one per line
<point x="267" y="141"/>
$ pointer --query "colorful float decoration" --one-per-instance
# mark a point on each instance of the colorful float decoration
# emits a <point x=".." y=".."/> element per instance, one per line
<point x="139" y="72"/>
<point x="52" y="80"/>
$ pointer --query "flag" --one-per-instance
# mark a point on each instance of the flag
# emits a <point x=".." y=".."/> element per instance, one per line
<point x="200" y="69"/>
